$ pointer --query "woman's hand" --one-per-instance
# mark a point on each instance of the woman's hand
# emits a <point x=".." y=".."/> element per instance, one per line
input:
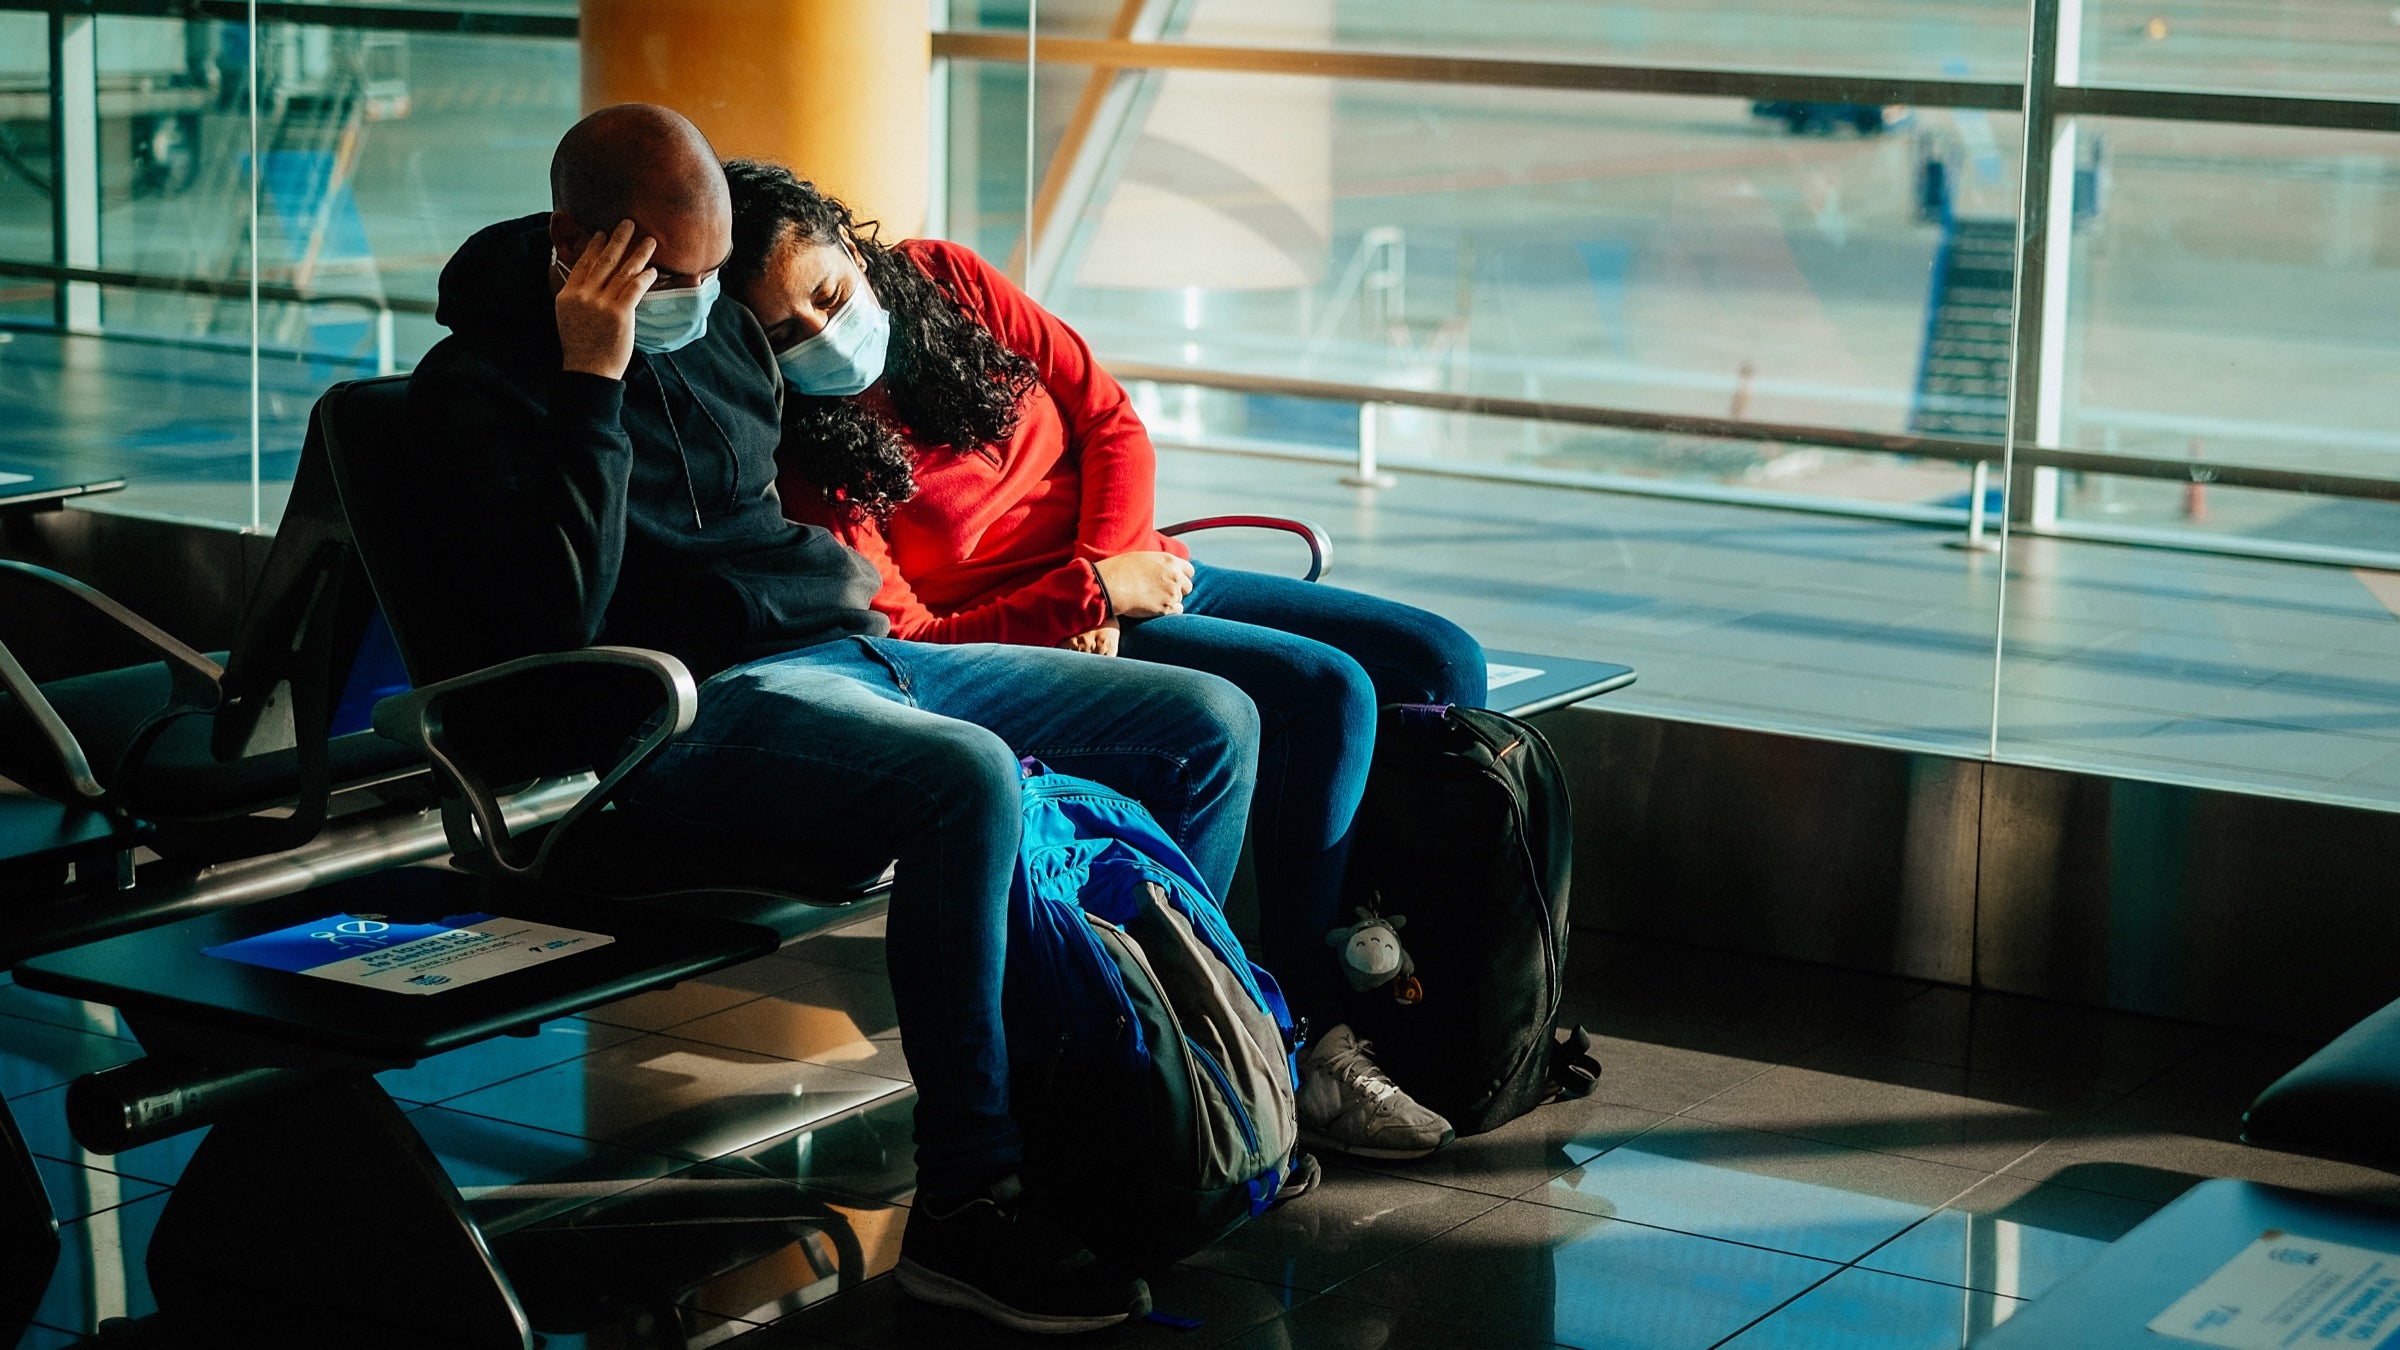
<point x="1145" y="585"/>
<point x="595" y="305"/>
<point x="1101" y="641"/>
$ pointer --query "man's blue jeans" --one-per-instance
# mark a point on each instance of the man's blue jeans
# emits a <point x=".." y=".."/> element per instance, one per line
<point x="1317" y="660"/>
<point x="868" y="748"/>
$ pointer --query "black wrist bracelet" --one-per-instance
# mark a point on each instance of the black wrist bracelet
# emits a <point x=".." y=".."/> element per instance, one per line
<point x="1107" y="601"/>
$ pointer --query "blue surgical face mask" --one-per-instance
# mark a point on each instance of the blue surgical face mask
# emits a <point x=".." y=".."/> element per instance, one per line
<point x="664" y="321"/>
<point x="847" y="355"/>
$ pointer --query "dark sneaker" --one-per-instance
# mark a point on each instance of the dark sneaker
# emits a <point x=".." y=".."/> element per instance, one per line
<point x="988" y="1256"/>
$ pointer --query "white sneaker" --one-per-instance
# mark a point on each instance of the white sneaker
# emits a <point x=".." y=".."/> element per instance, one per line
<point x="1349" y="1105"/>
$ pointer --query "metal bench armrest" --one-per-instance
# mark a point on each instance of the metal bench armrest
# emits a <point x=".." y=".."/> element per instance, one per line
<point x="1320" y="544"/>
<point x="472" y="815"/>
<point x="197" y="681"/>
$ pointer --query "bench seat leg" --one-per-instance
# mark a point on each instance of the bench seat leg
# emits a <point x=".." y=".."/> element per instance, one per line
<point x="28" y="1233"/>
<point x="323" y="1208"/>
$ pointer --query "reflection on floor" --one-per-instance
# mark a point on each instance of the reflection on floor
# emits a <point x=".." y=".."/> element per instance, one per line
<point x="2180" y="667"/>
<point x="1779" y="1155"/>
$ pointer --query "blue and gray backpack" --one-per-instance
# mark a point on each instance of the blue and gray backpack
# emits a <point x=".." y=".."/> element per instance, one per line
<point x="1152" y="1068"/>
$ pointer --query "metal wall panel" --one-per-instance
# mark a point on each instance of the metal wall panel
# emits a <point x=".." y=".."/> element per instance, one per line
<point x="2220" y="907"/>
<point x="1847" y="854"/>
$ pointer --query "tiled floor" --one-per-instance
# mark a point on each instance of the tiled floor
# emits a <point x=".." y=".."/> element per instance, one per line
<point x="1778" y="1155"/>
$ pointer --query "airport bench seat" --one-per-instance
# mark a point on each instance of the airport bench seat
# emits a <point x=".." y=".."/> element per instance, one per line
<point x="311" y="1174"/>
<point x="182" y="776"/>
<point x="2342" y="1102"/>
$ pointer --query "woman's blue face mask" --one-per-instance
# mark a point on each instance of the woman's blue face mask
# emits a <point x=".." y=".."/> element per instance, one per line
<point x="847" y="354"/>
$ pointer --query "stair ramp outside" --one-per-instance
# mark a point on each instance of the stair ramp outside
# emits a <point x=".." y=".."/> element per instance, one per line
<point x="1962" y="376"/>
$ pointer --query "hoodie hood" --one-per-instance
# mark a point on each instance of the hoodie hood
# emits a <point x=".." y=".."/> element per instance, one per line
<point x="498" y="283"/>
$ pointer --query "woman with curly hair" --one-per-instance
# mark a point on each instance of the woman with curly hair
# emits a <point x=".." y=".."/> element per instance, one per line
<point x="963" y="438"/>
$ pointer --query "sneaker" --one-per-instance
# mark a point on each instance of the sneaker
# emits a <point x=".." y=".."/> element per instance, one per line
<point x="989" y="1257"/>
<point x="1349" y="1105"/>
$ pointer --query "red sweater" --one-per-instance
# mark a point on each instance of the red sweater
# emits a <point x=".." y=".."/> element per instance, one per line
<point x="998" y="547"/>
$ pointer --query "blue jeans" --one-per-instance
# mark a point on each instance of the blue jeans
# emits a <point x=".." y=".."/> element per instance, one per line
<point x="868" y="749"/>
<point x="1317" y="660"/>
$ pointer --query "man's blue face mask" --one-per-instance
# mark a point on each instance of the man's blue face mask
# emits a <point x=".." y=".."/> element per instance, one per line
<point x="664" y="321"/>
<point x="847" y="355"/>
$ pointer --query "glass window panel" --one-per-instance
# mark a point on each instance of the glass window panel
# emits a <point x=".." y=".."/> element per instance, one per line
<point x="2312" y="47"/>
<point x="1666" y="255"/>
<point x="985" y="166"/>
<point x="2233" y="300"/>
<point x="151" y="385"/>
<point x="25" y="165"/>
<point x="1953" y="39"/>
<point x="1652" y="254"/>
<point x="2236" y="296"/>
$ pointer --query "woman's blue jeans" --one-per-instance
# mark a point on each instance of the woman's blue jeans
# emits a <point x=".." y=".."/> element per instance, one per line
<point x="868" y="749"/>
<point x="1317" y="660"/>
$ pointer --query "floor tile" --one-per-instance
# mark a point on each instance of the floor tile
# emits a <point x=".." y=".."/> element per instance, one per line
<point x="1352" y="1221"/>
<point x="2228" y="1075"/>
<point x="77" y="1191"/>
<point x="1531" y="1273"/>
<point x="832" y="1018"/>
<point x="2154" y="1151"/>
<point x="38" y="1056"/>
<point x="43" y="1120"/>
<point x="838" y="1249"/>
<point x="1786" y="1000"/>
<point x="702" y="1330"/>
<point x="869" y="1153"/>
<point x="501" y="1058"/>
<point x="1336" y="1323"/>
<point x="1864" y="1310"/>
<point x="714" y="992"/>
<point x="767" y="1338"/>
<point x="514" y="1175"/>
<point x="879" y="1315"/>
<point x="728" y="1244"/>
<point x="2011" y="1236"/>
<point x="1792" y="1195"/>
<point x="2032" y="1038"/>
<point x="74" y="1014"/>
<point x="1937" y="1112"/>
<point x="1524" y="1153"/>
<point x="100" y="1274"/>
<point x="1638" y="1068"/>
<point x="858" y="946"/>
<point x="679" y="1098"/>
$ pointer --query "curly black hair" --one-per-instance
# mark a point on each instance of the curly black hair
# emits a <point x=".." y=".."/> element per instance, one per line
<point x="951" y="382"/>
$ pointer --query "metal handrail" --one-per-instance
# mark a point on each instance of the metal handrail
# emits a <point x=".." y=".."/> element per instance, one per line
<point x="1485" y="405"/>
<point x="2356" y="114"/>
<point x="1784" y="433"/>
<point x="223" y="290"/>
<point x="495" y="20"/>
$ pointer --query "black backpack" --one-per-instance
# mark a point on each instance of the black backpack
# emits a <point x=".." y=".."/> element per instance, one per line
<point x="1467" y="833"/>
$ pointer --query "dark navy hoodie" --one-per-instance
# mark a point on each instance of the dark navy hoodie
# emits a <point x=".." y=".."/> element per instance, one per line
<point x="640" y="511"/>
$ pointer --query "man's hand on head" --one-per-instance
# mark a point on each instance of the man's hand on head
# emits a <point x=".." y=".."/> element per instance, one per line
<point x="595" y="304"/>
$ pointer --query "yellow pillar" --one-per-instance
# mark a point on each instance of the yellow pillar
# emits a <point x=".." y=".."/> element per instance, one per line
<point x="833" y="88"/>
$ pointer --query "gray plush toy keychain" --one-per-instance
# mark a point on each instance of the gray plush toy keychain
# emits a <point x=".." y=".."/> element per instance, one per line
<point x="1372" y="956"/>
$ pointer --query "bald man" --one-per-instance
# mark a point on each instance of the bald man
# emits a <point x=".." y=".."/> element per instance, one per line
<point x="603" y="426"/>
